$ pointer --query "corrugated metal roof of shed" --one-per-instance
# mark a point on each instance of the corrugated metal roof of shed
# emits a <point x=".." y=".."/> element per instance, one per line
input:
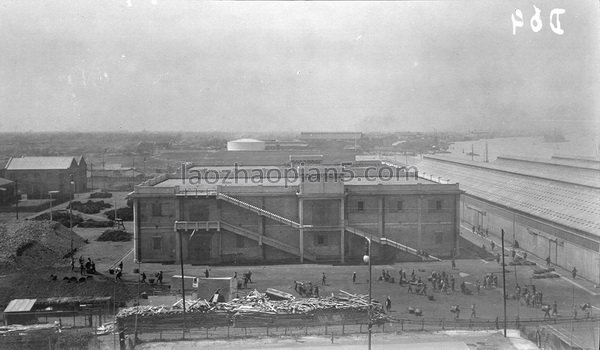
<point x="566" y="204"/>
<point x="20" y="305"/>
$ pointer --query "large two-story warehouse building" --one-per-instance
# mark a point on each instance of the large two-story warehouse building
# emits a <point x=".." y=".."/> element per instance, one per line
<point x="262" y="216"/>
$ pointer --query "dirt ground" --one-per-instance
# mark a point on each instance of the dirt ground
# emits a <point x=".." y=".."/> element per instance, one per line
<point x="416" y="341"/>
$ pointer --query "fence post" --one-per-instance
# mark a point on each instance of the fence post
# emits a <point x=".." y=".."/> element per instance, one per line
<point x="422" y="324"/>
<point x="267" y="331"/>
<point x="325" y="329"/>
<point x="497" y="327"/>
<point x="402" y="325"/>
<point x="360" y="328"/>
<point x="227" y="331"/>
<point x="443" y="324"/>
<point x="342" y="328"/>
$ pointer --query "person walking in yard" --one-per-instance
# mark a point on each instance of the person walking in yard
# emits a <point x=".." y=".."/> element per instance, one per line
<point x="81" y="269"/>
<point x="546" y="309"/>
<point x="143" y="277"/>
<point x="453" y="264"/>
<point x="354" y="277"/>
<point x="206" y="273"/>
<point x="119" y="274"/>
<point x="72" y="263"/>
<point x="493" y="245"/>
<point x="473" y="313"/>
<point x="498" y="258"/>
<point x="548" y="260"/>
<point x="323" y="279"/>
<point x="574" y="272"/>
<point x="388" y="304"/>
<point x="554" y="309"/>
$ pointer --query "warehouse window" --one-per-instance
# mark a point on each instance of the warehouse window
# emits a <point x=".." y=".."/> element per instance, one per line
<point x="361" y="205"/>
<point x="435" y="204"/>
<point x="157" y="243"/>
<point x="399" y="206"/>
<point x="321" y="239"/>
<point x="240" y="242"/>
<point x="156" y="209"/>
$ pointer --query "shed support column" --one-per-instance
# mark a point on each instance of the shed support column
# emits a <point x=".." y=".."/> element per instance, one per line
<point x="342" y="241"/>
<point x="301" y="216"/>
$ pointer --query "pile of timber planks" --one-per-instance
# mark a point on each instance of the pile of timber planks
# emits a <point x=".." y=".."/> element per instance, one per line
<point x="258" y="310"/>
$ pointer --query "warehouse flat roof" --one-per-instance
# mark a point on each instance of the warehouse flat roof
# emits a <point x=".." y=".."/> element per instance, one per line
<point x="206" y="184"/>
<point x="567" y="204"/>
<point x="536" y="168"/>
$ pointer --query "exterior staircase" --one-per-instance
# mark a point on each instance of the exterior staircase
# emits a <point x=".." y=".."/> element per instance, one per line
<point x="391" y="243"/>
<point x="258" y="210"/>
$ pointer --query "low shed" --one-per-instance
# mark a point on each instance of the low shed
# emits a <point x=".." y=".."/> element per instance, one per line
<point x="18" y="311"/>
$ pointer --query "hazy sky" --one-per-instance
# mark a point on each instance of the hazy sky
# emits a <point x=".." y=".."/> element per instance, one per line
<point x="293" y="66"/>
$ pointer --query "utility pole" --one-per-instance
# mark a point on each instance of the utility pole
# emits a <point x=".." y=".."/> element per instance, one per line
<point x="487" y="160"/>
<point x="182" y="277"/>
<point x="472" y="153"/>
<point x="367" y="259"/>
<point x="92" y="175"/>
<point x="17" y="197"/>
<point x="503" y="283"/>
<point x="71" y="183"/>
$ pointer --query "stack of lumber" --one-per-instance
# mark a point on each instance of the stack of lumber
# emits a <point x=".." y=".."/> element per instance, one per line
<point x="258" y="310"/>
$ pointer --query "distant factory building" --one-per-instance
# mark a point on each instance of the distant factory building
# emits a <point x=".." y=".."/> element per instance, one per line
<point x="344" y="141"/>
<point x="236" y="215"/>
<point x="115" y="177"/>
<point x="38" y="175"/>
<point x="246" y="145"/>
<point x="550" y="207"/>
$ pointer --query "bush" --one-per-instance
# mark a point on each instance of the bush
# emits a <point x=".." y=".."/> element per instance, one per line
<point x="124" y="213"/>
<point x="101" y="195"/>
<point x="94" y="223"/>
<point x="90" y="207"/>
<point x="61" y="217"/>
<point x="115" y="236"/>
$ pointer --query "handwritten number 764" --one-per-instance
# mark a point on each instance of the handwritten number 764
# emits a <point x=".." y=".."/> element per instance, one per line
<point x="536" y="20"/>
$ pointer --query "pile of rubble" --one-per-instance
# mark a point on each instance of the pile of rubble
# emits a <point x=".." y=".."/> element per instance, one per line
<point x="37" y="242"/>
